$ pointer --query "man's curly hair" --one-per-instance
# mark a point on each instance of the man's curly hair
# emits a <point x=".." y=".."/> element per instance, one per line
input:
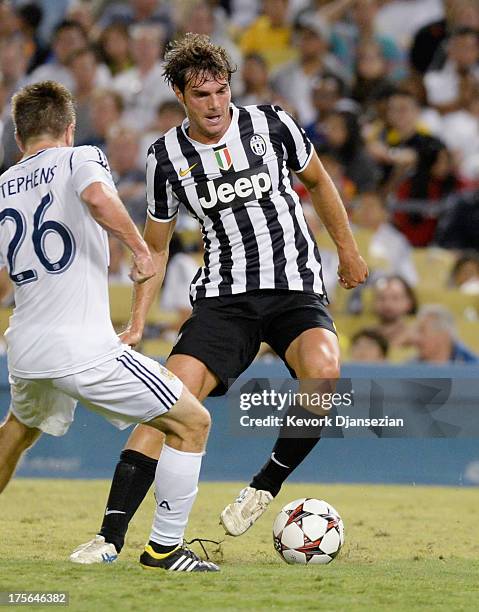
<point x="195" y="58"/>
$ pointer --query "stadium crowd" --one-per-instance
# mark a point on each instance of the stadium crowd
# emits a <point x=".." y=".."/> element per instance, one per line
<point x="388" y="92"/>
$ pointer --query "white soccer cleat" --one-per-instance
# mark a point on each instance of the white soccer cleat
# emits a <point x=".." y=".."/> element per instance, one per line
<point x="250" y="504"/>
<point x="94" y="551"/>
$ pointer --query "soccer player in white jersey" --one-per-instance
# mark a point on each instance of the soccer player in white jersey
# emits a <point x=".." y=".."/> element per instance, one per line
<point x="261" y="279"/>
<point x="55" y="206"/>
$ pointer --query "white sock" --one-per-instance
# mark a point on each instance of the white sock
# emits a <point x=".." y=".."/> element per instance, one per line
<point x="176" y="486"/>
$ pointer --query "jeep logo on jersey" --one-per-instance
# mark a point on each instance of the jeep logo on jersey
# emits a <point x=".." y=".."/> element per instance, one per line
<point x="258" y="145"/>
<point x="235" y="189"/>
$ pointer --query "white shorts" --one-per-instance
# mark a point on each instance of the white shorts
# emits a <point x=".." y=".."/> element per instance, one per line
<point x="128" y="389"/>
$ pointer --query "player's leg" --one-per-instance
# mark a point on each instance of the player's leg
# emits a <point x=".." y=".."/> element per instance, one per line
<point x="302" y="334"/>
<point x="186" y="427"/>
<point x="135" y="471"/>
<point x="314" y="357"/>
<point x="15" y="439"/>
<point x="35" y="407"/>
<point x="215" y="345"/>
<point x="133" y="388"/>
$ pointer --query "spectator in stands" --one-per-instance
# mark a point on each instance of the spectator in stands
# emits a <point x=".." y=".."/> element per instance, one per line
<point x="337" y="172"/>
<point x="402" y="140"/>
<point x="6" y="297"/>
<point x="169" y="114"/>
<point x="83" y="13"/>
<point x="389" y="252"/>
<point x="13" y="66"/>
<point x="407" y="153"/>
<point x="119" y="266"/>
<point x="436" y="337"/>
<point x="123" y="144"/>
<point x="394" y="301"/>
<point x="68" y="37"/>
<point x="200" y="18"/>
<point x="452" y="87"/>
<point x="255" y="81"/>
<point x="8" y="21"/>
<point x="114" y="48"/>
<point x="349" y="35"/>
<point x="140" y="12"/>
<point x="270" y="35"/>
<point x="13" y="62"/>
<point x="106" y="108"/>
<point x="3" y="112"/>
<point x="175" y="295"/>
<point x="371" y="75"/>
<point x="434" y="180"/>
<point x="368" y="346"/>
<point x="428" y="50"/>
<point x="460" y="131"/>
<point x="343" y="137"/>
<point x="143" y="87"/>
<point x="296" y="80"/>
<point x="6" y="289"/>
<point x="401" y="19"/>
<point x="328" y="94"/>
<point x="29" y="18"/>
<point x="459" y="227"/>
<point x="465" y="273"/>
<point x="87" y="75"/>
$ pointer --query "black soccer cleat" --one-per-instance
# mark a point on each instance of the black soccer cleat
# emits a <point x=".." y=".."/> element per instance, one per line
<point x="182" y="559"/>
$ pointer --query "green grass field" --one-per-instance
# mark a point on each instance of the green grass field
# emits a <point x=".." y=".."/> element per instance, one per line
<point x="407" y="548"/>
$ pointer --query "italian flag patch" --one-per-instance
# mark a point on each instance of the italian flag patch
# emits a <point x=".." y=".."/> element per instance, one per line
<point x="223" y="158"/>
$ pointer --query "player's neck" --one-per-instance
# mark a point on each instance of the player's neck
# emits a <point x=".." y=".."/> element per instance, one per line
<point x="40" y="145"/>
<point x="195" y="133"/>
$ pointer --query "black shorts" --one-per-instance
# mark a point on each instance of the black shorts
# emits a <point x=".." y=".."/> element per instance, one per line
<point x="225" y="333"/>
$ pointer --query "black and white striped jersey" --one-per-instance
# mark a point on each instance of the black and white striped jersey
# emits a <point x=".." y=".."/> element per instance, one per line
<point x="240" y="190"/>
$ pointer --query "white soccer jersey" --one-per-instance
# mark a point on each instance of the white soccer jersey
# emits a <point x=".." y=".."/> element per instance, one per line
<point x="57" y="256"/>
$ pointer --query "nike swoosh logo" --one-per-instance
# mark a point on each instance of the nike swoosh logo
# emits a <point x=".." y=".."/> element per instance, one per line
<point x="114" y="512"/>
<point x="183" y="173"/>
<point x="273" y="458"/>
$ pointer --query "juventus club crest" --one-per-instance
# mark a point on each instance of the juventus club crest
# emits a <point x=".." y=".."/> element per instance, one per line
<point x="258" y="145"/>
<point x="223" y="158"/>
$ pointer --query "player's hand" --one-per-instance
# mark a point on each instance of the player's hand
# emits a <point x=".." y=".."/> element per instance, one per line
<point x="130" y="337"/>
<point x="352" y="270"/>
<point x="143" y="268"/>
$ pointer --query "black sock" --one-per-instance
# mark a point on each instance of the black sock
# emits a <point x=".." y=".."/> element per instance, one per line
<point x="288" y="452"/>
<point x="159" y="548"/>
<point x="134" y="475"/>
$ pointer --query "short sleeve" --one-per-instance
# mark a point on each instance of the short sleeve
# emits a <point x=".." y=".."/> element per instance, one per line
<point x="89" y="165"/>
<point x="162" y="203"/>
<point x="299" y="148"/>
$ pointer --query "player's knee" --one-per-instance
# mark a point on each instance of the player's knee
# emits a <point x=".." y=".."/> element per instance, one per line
<point x="324" y="365"/>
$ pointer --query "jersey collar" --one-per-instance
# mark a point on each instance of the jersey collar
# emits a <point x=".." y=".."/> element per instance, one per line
<point x="31" y="156"/>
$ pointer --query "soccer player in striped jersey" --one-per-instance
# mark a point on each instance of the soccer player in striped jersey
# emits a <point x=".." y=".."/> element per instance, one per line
<point x="55" y="206"/>
<point x="230" y="167"/>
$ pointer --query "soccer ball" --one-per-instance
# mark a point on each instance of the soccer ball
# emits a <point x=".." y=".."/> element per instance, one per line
<point x="308" y="531"/>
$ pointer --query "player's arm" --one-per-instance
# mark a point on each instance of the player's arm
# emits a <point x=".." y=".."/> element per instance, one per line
<point x="352" y="269"/>
<point x="108" y="211"/>
<point x="157" y="236"/>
